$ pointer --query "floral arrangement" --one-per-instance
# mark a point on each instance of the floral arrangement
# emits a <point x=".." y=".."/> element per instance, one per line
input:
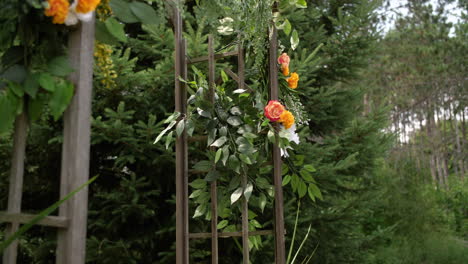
<point x="63" y="13"/>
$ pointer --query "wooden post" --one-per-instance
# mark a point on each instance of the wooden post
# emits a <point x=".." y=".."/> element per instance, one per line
<point x="213" y="187"/>
<point x="16" y="184"/>
<point x="71" y="248"/>
<point x="280" y="253"/>
<point x="182" y="231"/>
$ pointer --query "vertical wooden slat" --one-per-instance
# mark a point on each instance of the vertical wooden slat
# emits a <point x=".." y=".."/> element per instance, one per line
<point x="71" y="248"/>
<point x="214" y="188"/>
<point x="16" y="183"/>
<point x="182" y="242"/>
<point x="280" y="254"/>
<point x="245" y="207"/>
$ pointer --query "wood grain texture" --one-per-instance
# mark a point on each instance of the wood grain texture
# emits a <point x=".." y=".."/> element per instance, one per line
<point x="21" y="218"/>
<point x="213" y="186"/>
<point x="71" y="244"/>
<point x="280" y="251"/>
<point x="181" y="177"/>
<point x="15" y="191"/>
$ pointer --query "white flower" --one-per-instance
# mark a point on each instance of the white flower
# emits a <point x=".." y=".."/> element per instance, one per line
<point x="292" y="137"/>
<point x="226" y="26"/>
<point x="73" y="16"/>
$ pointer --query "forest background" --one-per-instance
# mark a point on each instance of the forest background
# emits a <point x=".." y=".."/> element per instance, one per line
<point x="386" y="135"/>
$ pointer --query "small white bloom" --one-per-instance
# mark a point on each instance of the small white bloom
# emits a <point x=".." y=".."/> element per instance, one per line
<point x="71" y="19"/>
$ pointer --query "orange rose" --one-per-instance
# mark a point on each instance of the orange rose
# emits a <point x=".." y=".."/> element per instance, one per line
<point x="86" y="6"/>
<point x="293" y="80"/>
<point x="57" y="9"/>
<point x="287" y="119"/>
<point x="273" y="110"/>
<point x="284" y="61"/>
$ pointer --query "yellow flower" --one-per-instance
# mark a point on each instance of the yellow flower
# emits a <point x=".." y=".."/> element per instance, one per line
<point x="86" y="6"/>
<point x="58" y="9"/>
<point x="287" y="119"/>
<point x="293" y="80"/>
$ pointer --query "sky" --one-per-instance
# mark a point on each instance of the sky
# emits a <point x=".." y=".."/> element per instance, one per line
<point x="397" y="6"/>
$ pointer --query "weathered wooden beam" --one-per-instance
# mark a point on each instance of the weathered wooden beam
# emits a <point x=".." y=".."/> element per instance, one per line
<point x="216" y="57"/>
<point x="21" y="218"/>
<point x="280" y="252"/>
<point x="231" y="234"/>
<point x="245" y="204"/>
<point x="236" y="78"/>
<point x="16" y="183"/>
<point x="181" y="177"/>
<point x="213" y="186"/>
<point x="71" y="243"/>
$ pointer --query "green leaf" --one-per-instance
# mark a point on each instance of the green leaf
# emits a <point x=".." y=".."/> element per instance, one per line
<point x="169" y="139"/>
<point x="31" y="84"/>
<point x="35" y="107"/>
<point x="164" y="132"/>
<point x="198" y="184"/>
<point x="235" y="110"/>
<point x="286" y="180"/>
<point x="201" y="210"/>
<point x="244" y="158"/>
<point x="262" y="200"/>
<point x="203" y="113"/>
<point x="224" y="76"/>
<point x="287" y="27"/>
<point x="236" y="195"/>
<point x="223" y="131"/>
<point x="203" y="165"/>
<point x="295" y="182"/>
<point x="144" y="12"/>
<point x="294" y="40"/>
<point x="219" y="152"/>
<point x="8" y="110"/>
<point x="60" y="66"/>
<point x="301" y="188"/>
<point x="315" y="191"/>
<point x="225" y="154"/>
<point x="234" y="164"/>
<point x="16" y="89"/>
<point x="103" y="35"/>
<point x="172" y="117"/>
<point x="255" y="223"/>
<point x="46" y="81"/>
<point x="212" y="175"/>
<point x="248" y="191"/>
<point x="262" y="183"/>
<point x="116" y="29"/>
<point x="16" y="73"/>
<point x="219" y="142"/>
<point x="222" y="224"/>
<point x="60" y="98"/>
<point x="301" y="4"/>
<point x="195" y="194"/>
<point x="306" y="175"/>
<point x="234" y="121"/>
<point x="122" y="11"/>
<point x="41" y="216"/>
<point x="190" y="127"/>
<point x="249" y="135"/>
<point x="180" y="127"/>
<point x="310" y="168"/>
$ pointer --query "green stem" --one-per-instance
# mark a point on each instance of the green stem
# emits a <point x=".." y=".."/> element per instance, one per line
<point x="294" y="232"/>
